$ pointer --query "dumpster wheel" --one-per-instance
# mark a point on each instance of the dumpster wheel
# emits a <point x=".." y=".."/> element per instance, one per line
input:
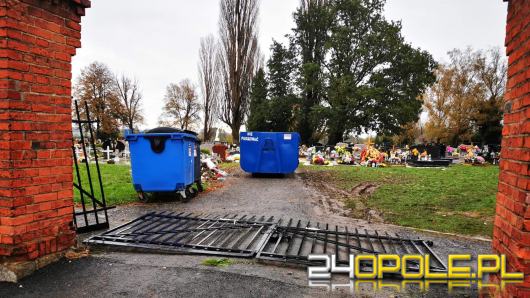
<point x="145" y="197"/>
<point x="189" y="193"/>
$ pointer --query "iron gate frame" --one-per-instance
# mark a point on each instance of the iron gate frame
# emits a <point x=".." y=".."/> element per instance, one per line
<point x="311" y="233"/>
<point x="186" y="232"/>
<point x="98" y="205"/>
<point x="142" y="229"/>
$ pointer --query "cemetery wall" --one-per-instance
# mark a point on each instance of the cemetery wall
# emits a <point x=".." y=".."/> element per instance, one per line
<point x="37" y="41"/>
<point x="512" y="222"/>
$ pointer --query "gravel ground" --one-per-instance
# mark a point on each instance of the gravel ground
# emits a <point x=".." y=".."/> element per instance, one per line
<point x="108" y="272"/>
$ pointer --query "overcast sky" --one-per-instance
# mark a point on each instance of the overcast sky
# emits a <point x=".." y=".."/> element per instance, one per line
<point x="157" y="41"/>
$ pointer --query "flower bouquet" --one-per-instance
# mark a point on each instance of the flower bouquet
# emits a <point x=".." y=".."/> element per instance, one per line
<point x="320" y="160"/>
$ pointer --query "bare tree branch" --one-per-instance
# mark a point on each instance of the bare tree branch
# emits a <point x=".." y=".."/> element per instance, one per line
<point x="130" y="97"/>
<point x="182" y="106"/>
<point x="209" y="79"/>
<point x="239" y="58"/>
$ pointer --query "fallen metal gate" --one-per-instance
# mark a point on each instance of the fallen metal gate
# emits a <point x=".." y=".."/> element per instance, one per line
<point x="227" y="235"/>
<point x="295" y="242"/>
<point x="92" y="215"/>
<point x="260" y="237"/>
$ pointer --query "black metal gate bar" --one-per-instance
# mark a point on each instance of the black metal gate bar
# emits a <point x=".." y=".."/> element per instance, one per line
<point x="265" y="238"/>
<point x="88" y="220"/>
<point x="81" y="194"/>
<point x="138" y="230"/>
<point x="200" y="231"/>
<point x="242" y="237"/>
<point x="221" y="237"/>
<point x="314" y="240"/>
<point x="336" y="241"/>
<point x="347" y="240"/>
<point x="171" y="224"/>
<point x="103" y="202"/>
<point x="89" y="176"/>
<point x="231" y="235"/>
<point x="167" y="225"/>
<point x="189" y="224"/>
<point x="326" y="239"/>
<point x="303" y="238"/>
<point x="281" y="235"/>
<point x="337" y="250"/>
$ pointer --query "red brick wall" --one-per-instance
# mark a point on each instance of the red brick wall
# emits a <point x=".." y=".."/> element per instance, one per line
<point x="512" y="223"/>
<point x="37" y="41"/>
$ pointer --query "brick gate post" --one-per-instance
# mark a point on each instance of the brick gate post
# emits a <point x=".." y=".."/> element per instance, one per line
<point x="37" y="41"/>
<point x="511" y="234"/>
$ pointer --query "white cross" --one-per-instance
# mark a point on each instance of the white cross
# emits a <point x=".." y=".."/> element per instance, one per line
<point x="108" y="151"/>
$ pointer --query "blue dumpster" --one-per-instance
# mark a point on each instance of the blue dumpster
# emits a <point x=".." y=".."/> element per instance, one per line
<point x="269" y="152"/>
<point x="164" y="162"/>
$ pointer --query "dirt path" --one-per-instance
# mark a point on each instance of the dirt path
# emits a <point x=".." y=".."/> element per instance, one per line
<point x="335" y="201"/>
<point x="242" y="194"/>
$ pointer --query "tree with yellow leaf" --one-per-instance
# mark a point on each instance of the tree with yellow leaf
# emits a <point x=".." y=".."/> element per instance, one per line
<point x="468" y="91"/>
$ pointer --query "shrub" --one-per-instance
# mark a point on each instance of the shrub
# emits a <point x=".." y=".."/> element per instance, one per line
<point x="206" y="151"/>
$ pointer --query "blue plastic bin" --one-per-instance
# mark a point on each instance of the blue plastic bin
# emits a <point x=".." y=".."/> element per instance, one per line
<point x="163" y="162"/>
<point x="269" y="152"/>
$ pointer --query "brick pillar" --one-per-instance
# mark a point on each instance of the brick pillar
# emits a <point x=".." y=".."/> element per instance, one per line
<point x="37" y="41"/>
<point x="511" y="234"/>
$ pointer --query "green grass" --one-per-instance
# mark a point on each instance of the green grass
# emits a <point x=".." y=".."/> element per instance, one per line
<point x="223" y="262"/>
<point x="459" y="199"/>
<point x="227" y="166"/>
<point x="117" y="184"/>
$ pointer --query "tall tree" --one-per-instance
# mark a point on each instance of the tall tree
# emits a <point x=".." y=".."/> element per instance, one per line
<point x="258" y="118"/>
<point x="280" y="66"/>
<point x="437" y="102"/>
<point x="310" y="35"/>
<point x="492" y="70"/>
<point x="130" y="97"/>
<point x="210" y="83"/>
<point x="239" y="58"/>
<point x="375" y="78"/>
<point x="182" y="107"/>
<point x="280" y="78"/>
<point x="465" y="102"/>
<point x="96" y="86"/>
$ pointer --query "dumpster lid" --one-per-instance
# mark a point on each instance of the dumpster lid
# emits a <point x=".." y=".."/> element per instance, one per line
<point x="170" y="130"/>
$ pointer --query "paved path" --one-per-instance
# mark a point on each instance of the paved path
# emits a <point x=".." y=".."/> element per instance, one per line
<point x="119" y="273"/>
